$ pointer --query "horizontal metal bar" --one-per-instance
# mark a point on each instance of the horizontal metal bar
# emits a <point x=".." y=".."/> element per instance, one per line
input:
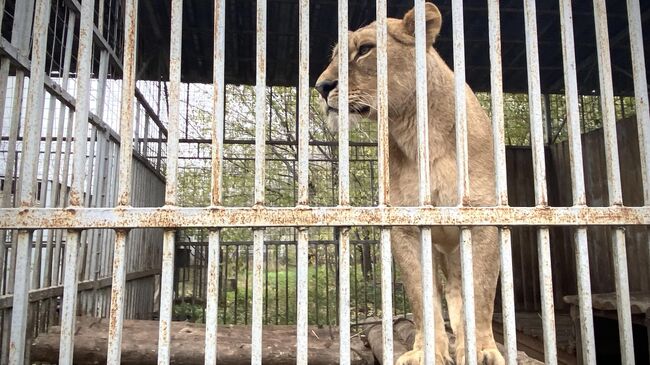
<point x="56" y="291"/>
<point x="216" y="217"/>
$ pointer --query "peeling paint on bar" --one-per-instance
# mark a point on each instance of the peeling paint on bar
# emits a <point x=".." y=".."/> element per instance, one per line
<point x="215" y="217"/>
<point x="74" y="238"/>
<point x="28" y="174"/>
<point x="498" y="134"/>
<point x="424" y="174"/>
<point x="116" y="316"/>
<point x="344" y="183"/>
<point x="615" y="194"/>
<point x="302" y="262"/>
<point x="539" y="170"/>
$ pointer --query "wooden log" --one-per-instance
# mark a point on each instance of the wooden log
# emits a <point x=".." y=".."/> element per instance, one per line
<point x="139" y="344"/>
<point x="373" y="334"/>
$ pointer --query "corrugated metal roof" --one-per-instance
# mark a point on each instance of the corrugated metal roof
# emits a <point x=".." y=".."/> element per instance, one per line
<point x="283" y="40"/>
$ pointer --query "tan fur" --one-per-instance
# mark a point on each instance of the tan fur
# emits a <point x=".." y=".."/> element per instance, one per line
<point x="404" y="176"/>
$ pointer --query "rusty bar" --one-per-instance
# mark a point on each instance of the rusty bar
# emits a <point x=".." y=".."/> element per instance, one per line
<point x="117" y="299"/>
<point x="302" y="295"/>
<point x="303" y="106"/>
<point x="171" y="186"/>
<point x="82" y="108"/>
<point x="218" y="99"/>
<point x="211" y="310"/>
<point x="28" y="174"/>
<point x="260" y="104"/>
<point x="344" y="295"/>
<point x="260" y="162"/>
<point x="218" y="104"/>
<point x="577" y="178"/>
<point x="302" y="262"/>
<point x="166" y="296"/>
<point x="177" y="217"/>
<point x="124" y="180"/>
<point x="257" y="306"/>
<point x="428" y="300"/>
<point x="498" y="134"/>
<point x="539" y="167"/>
<point x="344" y="182"/>
<point x="384" y="181"/>
<point x="608" y="111"/>
<point x="640" y="92"/>
<point x="462" y="175"/>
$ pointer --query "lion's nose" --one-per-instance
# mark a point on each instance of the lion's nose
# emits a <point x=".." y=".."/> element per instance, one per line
<point x="324" y="87"/>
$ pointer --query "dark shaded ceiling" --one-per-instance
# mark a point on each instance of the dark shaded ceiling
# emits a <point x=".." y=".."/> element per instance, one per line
<point x="282" y="40"/>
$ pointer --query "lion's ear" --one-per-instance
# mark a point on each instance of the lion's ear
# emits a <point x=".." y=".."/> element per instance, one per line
<point x="433" y="22"/>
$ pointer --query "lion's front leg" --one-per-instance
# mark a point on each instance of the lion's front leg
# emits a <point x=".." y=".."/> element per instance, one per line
<point x="486" y="272"/>
<point x="406" y="252"/>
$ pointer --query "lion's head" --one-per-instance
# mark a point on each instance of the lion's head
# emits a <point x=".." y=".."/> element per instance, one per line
<point x="362" y="67"/>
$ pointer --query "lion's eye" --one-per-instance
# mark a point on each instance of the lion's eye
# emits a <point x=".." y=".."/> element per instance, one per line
<point x="365" y="49"/>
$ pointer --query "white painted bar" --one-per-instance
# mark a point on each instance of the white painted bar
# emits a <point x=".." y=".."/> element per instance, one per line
<point x="424" y="173"/>
<point x="116" y="316"/>
<point x="615" y="194"/>
<point x="28" y="174"/>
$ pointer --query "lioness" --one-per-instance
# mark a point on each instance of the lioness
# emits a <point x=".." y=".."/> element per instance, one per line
<point x="404" y="173"/>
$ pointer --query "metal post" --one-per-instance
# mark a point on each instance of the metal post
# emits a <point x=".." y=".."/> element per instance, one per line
<point x="167" y="275"/>
<point x="613" y="183"/>
<point x="28" y="172"/>
<point x="344" y="184"/>
<point x="498" y="135"/>
<point x="428" y="300"/>
<point x="384" y="181"/>
<point x="124" y="181"/>
<point x="302" y="292"/>
<point x="260" y="176"/>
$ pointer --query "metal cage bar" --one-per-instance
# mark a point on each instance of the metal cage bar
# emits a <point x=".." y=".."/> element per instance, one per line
<point x="167" y="270"/>
<point x="260" y="176"/>
<point x="615" y="193"/>
<point x="384" y="181"/>
<point x="539" y="170"/>
<point x="116" y="317"/>
<point x="218" y="105"/>
<point x="28" y="172"/>
<point x="501" y="182"/>
<point x="424" y="193"/>
<point x="302" y="291"/>
<point x="84" y="59"/>
<point x="344" y="183"/>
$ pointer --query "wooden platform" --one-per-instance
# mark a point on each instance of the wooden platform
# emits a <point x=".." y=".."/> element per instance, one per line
<point x="530" y="337"/>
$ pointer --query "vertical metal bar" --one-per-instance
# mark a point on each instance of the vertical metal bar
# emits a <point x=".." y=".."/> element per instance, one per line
<point x="260" y="162"/>
<point x="302" y="292"/>
<point x="614" y="181"/>
<point x="29" y="168"/>
<point x="640" y="93"/>
<point x="498" y="134"/>
<point x="124" y="181"/>
<point x="384" y="181"/>
<point x="344" y="183"/>
<point x="218" y="103"/>
<point x="467" y="279"/>
<point x="84" y="60"/>
<point x="167" y="271"/>
<point x="537" y="143"/>
<point x="428" y="315"/>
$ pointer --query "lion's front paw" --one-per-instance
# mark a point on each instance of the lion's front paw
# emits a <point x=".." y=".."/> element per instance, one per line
<point x="488" y="356"/>
<point x="413" y="357"/>
<point x="491" y="356"/>
<point x="416" y="357"/>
